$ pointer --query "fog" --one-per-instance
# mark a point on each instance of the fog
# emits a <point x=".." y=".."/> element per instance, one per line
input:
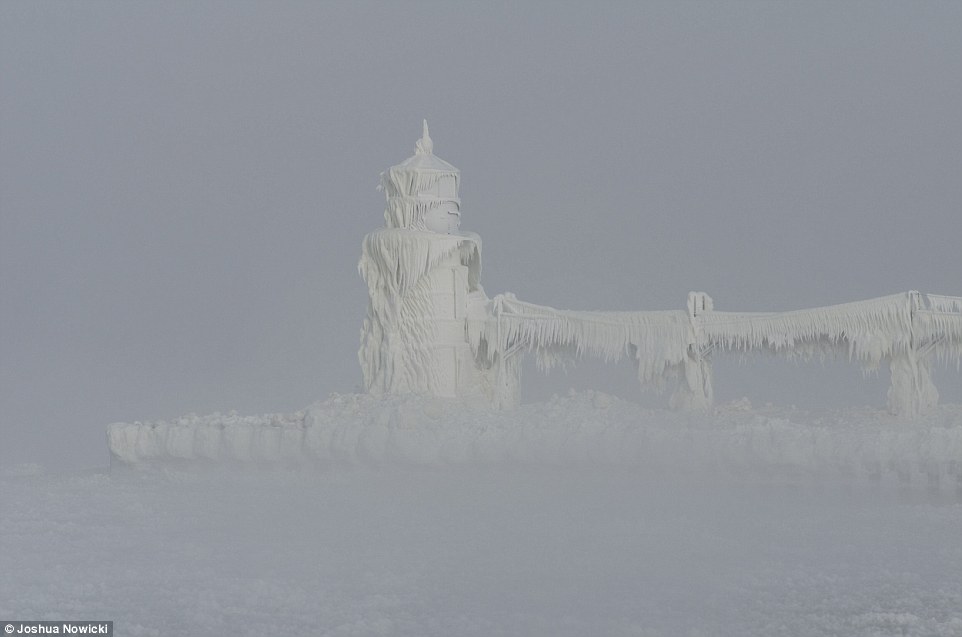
<point x="513" y="551"/>
<point x="185" y="185"/>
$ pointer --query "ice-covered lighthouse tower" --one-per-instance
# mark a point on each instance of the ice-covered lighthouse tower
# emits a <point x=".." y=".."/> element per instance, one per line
<point x="422" y="275"/>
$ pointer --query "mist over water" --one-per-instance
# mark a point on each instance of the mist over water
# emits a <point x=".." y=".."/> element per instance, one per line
<point x="183" y="192"/>
<point x="513" y="550"/>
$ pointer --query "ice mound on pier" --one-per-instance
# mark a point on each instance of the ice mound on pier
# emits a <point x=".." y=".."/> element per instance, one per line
<point x="581" y="429"/>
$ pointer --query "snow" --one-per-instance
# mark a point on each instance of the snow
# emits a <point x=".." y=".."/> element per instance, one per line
<point x="590" y="429"/>
<point x="538" y="538"/>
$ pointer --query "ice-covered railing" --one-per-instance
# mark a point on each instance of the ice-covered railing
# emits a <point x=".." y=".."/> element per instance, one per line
<point x="656" y="340"/>
<point x="938" y="319"/>
<point x="866" y="331"/>
<point x="556" y="336"/>
<point x="909" y="330"/>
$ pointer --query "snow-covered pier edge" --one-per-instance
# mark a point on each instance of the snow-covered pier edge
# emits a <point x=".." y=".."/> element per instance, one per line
<point x="582" y="429"/>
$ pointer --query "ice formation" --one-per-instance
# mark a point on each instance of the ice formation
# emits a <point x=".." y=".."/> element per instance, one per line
<point x="432" y="330"/>
<point x="580" y="429"/>
<point x="437" y="354"/>
<point x="423" y="280"/>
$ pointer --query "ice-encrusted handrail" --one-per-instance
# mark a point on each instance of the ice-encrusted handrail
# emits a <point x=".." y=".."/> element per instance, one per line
<point x="906" y="329"/>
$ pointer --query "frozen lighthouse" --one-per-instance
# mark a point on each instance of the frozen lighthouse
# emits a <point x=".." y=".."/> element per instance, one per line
<point x="431" y="330"/>
<point x="422" y="274"/>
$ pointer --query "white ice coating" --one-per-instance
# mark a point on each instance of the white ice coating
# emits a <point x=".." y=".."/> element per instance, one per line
<point x="431" y="330"/>
<point x="420" y="184"/>
<point x="401" y="335"/>
<point x="580" y="429"/>
<point x="658" y="341"/>
<point x="423" y="280"/>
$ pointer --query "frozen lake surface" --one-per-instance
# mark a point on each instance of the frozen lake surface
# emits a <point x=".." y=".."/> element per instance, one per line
<point x="511" y="550"/>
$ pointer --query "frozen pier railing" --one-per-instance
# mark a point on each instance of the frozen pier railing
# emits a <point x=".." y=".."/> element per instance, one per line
<point x="907" y="330"/>
<point x="910" y="331"/>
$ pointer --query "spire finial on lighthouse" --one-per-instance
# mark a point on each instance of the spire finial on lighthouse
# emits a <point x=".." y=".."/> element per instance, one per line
<point x="424" y="145"/>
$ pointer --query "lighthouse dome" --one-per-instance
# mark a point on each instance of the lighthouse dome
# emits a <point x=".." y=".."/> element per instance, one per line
<point x="422" y="191"/>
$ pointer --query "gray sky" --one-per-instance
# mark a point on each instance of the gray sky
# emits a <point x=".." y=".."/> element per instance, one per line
<point x="184" y="186"/>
